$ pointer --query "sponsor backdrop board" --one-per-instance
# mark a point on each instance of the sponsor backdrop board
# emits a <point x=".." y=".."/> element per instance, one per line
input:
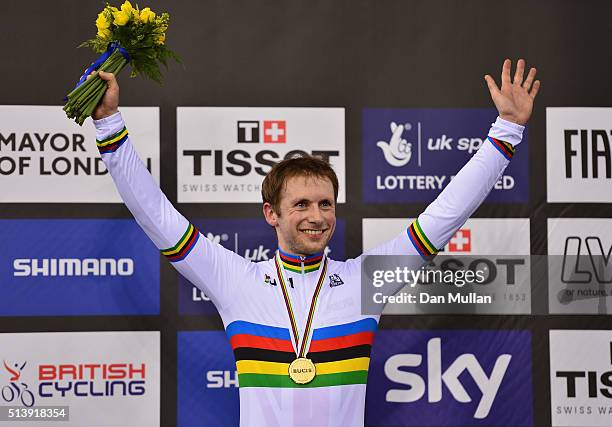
<point x="450" y="378"/>
<point x="61" y="267"/>
<point x="580" y="373"/>
<point x="397" y="56"/>
<point x="207" y="380"/>
<point x="223" y="153"/>
<point x="497" y="246"/>
<point x="417" y="378"/>
<point x="409" y="155"/>
<point x="105" y="378"/>
<point x="45" y="158"/>
<point x="579" y="265"/>
<point x="579" y="154"/>
<point x="251" y="238"/>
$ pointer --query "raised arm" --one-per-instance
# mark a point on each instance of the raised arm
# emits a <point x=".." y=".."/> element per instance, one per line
<point x="467" y="190"/>
<point x="207" y="265"/>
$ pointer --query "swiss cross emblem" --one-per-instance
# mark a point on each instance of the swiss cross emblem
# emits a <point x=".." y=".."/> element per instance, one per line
<point x="274" y="131"/>
<point x="461" y="241"/>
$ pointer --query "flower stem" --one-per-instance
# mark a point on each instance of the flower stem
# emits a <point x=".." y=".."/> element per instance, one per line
<point x="89" y="104"/>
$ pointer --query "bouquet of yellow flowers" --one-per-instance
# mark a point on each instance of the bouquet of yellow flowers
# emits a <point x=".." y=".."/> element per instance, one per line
<point x="124" y="35"/>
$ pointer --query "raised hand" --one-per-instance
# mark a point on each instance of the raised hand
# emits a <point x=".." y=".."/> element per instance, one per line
<point x="514" y="101"/>
<point x="109" y="104"/>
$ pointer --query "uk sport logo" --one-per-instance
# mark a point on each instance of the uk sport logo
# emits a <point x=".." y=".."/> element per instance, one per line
<point x="397" y="151"/>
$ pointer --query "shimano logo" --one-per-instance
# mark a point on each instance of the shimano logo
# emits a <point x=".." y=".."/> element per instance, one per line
<point x="221" y="379"/>
<point x="73" y="267"/>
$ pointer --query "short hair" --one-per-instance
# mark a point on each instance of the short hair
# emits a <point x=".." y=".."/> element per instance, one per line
<point x="307" y="165"/>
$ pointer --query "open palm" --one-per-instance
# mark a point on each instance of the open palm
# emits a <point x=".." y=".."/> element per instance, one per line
<point x="514" y="101"/>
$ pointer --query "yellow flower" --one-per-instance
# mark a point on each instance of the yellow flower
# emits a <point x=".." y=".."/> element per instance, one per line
<point x="147" y="15"/>
<point x="121" y="18"/>
<point x="127" y="7"/>
<point x="104" y="33"/>
<point x="160" y="38"/>
<point x="102" y="22"/>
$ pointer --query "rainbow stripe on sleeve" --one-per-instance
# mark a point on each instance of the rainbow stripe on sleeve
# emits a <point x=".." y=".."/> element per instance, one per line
<point x="112" y="143"/>
<point x="503" y="147"/>
<point x="341" y="354"/>
<point x="186" y="243"/>
<point x="420" y="241"/>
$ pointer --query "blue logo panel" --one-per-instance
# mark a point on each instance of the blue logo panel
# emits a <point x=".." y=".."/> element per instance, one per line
<point x="450" y="378"/>
<point x="410" y="155"/>
<point x="251" y="238"/>
<point x="77" y="267"/>
<point x="207" y="380"/>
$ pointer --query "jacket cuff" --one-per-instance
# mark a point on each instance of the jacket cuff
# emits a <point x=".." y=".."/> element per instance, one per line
<point x="108" y="126"/>
<point x="509" y="132"/>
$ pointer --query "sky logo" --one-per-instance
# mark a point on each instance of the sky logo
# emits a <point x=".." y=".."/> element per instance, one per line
<point x="450" y="378"/>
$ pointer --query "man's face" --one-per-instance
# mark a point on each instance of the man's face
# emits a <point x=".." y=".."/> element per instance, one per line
<point x="307" y="215"/>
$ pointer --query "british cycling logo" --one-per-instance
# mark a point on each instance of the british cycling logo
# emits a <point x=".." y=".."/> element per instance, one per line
<point x="397" y="151"/>
<point x="17" y="391"/>
<point x="75" y="380"/>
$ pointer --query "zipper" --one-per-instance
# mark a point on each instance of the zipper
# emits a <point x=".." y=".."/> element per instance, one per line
<point x="302" y="258"/>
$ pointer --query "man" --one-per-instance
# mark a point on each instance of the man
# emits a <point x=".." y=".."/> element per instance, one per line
<point x="301" y="344"/>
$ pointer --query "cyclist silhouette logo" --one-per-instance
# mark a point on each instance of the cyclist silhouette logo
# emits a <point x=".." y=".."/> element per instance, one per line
<point x="17" y="391"/>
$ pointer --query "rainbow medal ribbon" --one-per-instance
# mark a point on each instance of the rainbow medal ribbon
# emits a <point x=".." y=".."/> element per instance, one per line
<point x="301" y="370"/>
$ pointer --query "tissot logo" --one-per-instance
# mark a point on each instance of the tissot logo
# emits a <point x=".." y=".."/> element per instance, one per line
<point x="224" y="152"/>
<point x="597" y="384"/>
<point x="579" y="154"/>
<point x="498" y="249"/>
<point x="248" y="131"/>
<point x="581" y="377"/>
<point x="274" y="131"/>
<point x="461" y="241"/>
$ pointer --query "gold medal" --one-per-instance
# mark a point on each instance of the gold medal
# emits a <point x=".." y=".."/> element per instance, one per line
<point x="302" y="370"/>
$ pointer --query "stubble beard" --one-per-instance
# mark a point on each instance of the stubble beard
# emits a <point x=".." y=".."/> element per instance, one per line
<point x="297" y="245"/>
